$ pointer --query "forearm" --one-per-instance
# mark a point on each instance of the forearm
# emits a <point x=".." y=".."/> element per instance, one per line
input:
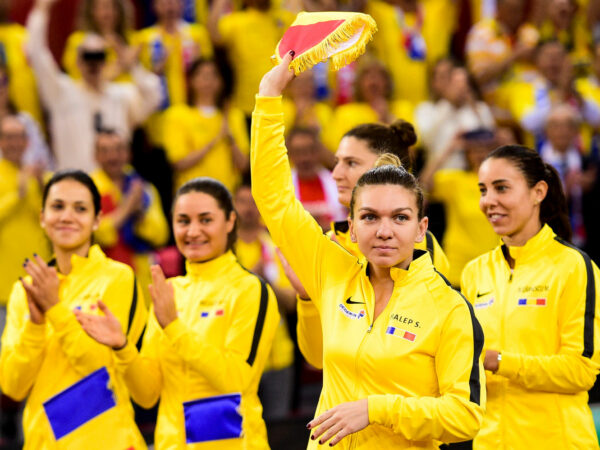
<point x="310" y="333"/>
<point x="193" y="158"/>
<point x="149" y="93"/>
<point x="562" y="373"/>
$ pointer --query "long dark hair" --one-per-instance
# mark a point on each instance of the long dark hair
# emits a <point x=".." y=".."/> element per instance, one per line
<point x="220" y="193"/>
<point x="77" y="175"/>
<point x="388" y="170"/>
<point x="396" y="139"/>
<point x="553" y="209"/>
<point x="124" y="17"/>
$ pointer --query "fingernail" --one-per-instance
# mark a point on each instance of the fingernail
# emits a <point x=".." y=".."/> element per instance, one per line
<point x="330" y="444"/>
<point x="292" y="53"/>
<point x="320" y="442"/>
<point x="308" y="426"/>
<point x="313" y="437"/>
<point x="35" y="254"/>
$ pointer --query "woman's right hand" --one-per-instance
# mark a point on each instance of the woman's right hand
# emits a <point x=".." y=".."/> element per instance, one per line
<point x="276" y="80"/>
<point x="104" y="329"/>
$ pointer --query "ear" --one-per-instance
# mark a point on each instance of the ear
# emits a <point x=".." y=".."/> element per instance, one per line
<point x="97" y="221"/>
<point x="42" y="222"/>
<point x="539" y="192"/>
<point x="231" y="221"/>
<point x="422" y="229"/>
<point x="351" y="230"/>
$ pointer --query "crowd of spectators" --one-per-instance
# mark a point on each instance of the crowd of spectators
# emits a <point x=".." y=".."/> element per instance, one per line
<point x="148" y="94"/>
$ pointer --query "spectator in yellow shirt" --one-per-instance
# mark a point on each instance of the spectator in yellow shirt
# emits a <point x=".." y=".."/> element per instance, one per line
<point x="168" y="49"/>
<point x="110" y="19"/>
<point x="203" y="138"/>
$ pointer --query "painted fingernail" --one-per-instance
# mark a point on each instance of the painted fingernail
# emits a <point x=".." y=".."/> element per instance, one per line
<point x="320" y="442"/>
<point x="292" y="53"/>
<point x="313" y="437"/>
<point x="35" y="254"/>
<point x="330" y="444"/>
<point x="308" y="426"/>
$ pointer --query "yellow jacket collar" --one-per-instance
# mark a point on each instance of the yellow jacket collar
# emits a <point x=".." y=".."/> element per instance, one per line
<point x="534" y="247"/>
<point x="419" y="268"/>
<point x="79" y="263"/>
<point x="213" y="268"/>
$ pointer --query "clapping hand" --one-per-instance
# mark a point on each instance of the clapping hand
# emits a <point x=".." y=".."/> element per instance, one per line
<point x="43" y="290"/>
<point x="163" y="297"/>
<point x="105" y="329"/>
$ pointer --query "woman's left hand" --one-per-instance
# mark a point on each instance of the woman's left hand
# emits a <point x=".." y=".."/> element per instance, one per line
<point x="45" y="283"/>
<point x="340" y="421"/>
<point x="163" y="297"/>
<point x="276" y="80"/>
<point x="490" y="362"/>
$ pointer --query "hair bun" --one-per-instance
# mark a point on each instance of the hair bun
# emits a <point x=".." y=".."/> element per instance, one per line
<point x="405" y="133"/>
<point x="388" y="159"/>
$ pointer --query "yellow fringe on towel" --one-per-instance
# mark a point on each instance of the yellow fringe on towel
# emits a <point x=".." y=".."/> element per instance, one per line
<point x="340" y="35"/>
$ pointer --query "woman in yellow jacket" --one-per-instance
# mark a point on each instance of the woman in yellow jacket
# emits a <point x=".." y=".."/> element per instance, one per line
<point x="207" y="341"/>
<point x="535" y="296"/>
<point x="401" y="364"/>
<point x="76" y="395"/>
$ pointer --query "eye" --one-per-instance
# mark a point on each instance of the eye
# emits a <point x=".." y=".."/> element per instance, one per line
<point x="501" y="188"/>
<point x="206" y="220"/>
<point x="56" y="206"/>
<point x="80" y="209"/>
<point x="482" y="191"/>
<point x="401" y="217"/>
<point x="183" y="221"/>
<point x="368" y="217"/>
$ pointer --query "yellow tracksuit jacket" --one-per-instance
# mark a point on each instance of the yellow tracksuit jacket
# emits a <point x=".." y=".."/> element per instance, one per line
<point x="418" y="363"/>
<point x="41" y="361"/>
<point x="208" y="362"/>
<point x="310" y="339"/>
<point x="543" y="318"/>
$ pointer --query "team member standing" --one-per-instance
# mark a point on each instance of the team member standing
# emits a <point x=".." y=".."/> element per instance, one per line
<point x="209" y="337"/>
<point x="535" y="296"/>
<point x="386" y="312"/>
<point x="76" y="397"/>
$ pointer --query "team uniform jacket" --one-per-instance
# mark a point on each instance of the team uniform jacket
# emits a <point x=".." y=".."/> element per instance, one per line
<point x="310" y="340"/>
<point x="418" y="363"/>
<point x="543" y="318"/>
<point x="210" y="358"/>
<point x="49" y="362"/>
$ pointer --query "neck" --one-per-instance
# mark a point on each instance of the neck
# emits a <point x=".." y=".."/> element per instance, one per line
<point x="170" y="25"/>
<point x="248" y="233"/>
<point x="63" y="257"/>
<point x="308" y="174"/>
<point x="521" y="237"/>
<point x="379" y="275"/>
<point x="205" y="100"/>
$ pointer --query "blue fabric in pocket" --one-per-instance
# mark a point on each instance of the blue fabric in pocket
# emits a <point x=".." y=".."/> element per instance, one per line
<point x="79" y="403"/>
<point x="213" y="418"/>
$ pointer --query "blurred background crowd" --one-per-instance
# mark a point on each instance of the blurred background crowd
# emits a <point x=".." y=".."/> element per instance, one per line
<point x="147" y="94"/>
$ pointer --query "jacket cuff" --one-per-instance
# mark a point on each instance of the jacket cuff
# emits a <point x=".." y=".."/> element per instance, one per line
<point x="378" y="409"/>
<point x="59" y="315"/>
<point x="127" y="354"/>
<point x="509" y="365"/>
<point x="174" y="330"/>
<point x="34" y="334"/>
<point x="268" y="105"/>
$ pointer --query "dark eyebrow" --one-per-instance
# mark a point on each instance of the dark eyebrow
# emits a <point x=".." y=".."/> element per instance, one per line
<point x="397" y="210"/>
<point x="499" y="181"/>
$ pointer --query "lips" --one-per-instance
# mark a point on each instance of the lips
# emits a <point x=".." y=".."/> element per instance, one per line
<point x="495" y="217"/>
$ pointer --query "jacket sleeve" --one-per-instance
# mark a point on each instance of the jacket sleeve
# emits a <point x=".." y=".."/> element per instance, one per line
<point x="456" y="415"/>
<point x="575" y="365"/>
<point x="153" y="226"/>
<point x="310" y="333"/>
<point x="125" y="300"/>
<point x="310" y="253"/>
<point x="255" y="317"/>
<point x="147" y="95"/>
<point x="23" y="344"/>
<point x="141" y="370"/>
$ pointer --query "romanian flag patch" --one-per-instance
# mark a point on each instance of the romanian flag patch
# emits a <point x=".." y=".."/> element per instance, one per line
<point x="397" y="332"/>
<point x="532" y="302"/>
<point x="214" y="313"/>
<point x="315" y="37"/>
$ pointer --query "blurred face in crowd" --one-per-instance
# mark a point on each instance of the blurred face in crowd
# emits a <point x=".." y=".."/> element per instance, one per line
<point x="168" y="10"/>
<point x="304" y="153"/>
<point x="373" y="83"/>
<point x="206" y="80"/>
<point x="561" y="13"/>
<point x="549" y="61"/>
<point x="200" y="226"/>
<point x="91" y="59"/>
<point x="352" y="158"/>
<point x="261" y="5"/>
<point x="13" y="139"/>
<point x="245" y="207"/>
<point x="68" y="216"/>
<point x="510" y="205"/>
<point x="112" y="154"/>
<point x="4" y="84"/>
<point x="303" y="86"/>
<point x="476" y="151"/>
<point x="386" y="224"/>
<point x="458" y="91"/>
<point x="561" y="128"/>
<point x="440" y="78"/>
<point x="104" y="14"/>
<point x="511" y="13"/>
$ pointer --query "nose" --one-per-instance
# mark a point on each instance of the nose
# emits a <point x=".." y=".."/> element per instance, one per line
<point x="487" y="200"/>
<point x="194" y="230"/>
<point x="338" y="172"/>
<point x="384" y="231"/>
<point x="66" y="215"/>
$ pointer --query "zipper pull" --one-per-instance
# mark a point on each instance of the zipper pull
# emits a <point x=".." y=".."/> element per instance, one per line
<point x="370" y="328"/>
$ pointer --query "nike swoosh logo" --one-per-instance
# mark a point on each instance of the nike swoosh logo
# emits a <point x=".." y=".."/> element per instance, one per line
<point x="485" y="293"/>
<point x="352" y="302"/>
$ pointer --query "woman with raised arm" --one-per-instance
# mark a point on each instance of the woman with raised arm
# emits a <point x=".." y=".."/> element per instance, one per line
<point x="76" y="395"/>
<point x="208" y="337"/>
<point x="401" y="347"/>
<point x="535" y="296"/>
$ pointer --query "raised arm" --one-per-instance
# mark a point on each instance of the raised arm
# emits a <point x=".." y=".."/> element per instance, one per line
<point x="292" y="228"/>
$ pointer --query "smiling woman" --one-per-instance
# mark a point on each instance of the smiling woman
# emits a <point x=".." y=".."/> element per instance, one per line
<point x="208" y="340"/>
<point x="401" y="347"/>
<point x="46" y="356"/>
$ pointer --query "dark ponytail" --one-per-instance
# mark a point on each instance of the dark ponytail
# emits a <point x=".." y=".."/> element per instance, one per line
<point x="396" y="139"/>
<point x="553" y="210"/>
